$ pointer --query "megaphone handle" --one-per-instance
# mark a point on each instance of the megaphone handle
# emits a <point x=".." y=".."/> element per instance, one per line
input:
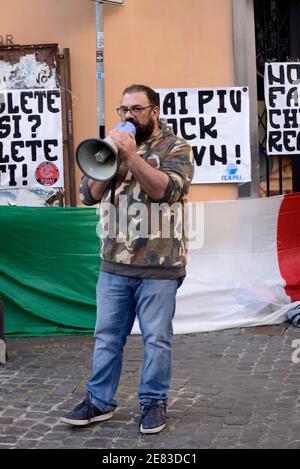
<point x="113" y="190"/>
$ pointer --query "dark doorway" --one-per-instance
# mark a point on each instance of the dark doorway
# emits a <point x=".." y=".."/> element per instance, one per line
<point x="277" y="36"/>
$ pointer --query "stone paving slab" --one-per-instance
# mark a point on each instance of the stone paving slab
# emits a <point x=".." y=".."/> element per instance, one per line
<point x="236" y="388"/>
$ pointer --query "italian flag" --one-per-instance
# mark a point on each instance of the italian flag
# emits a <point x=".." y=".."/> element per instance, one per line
<point x="247" y="271"/>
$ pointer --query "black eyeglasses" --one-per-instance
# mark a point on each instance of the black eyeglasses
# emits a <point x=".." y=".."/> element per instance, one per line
<point x="134" y="110"/>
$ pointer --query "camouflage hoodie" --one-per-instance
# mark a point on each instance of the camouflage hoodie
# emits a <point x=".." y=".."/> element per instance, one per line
<point x="142" y="237"/>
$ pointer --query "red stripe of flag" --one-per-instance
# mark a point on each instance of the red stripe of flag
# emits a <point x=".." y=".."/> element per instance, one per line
<point x="288" y="244"/>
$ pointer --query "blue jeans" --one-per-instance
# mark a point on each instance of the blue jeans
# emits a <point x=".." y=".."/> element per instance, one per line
<point x="119" y="300"/>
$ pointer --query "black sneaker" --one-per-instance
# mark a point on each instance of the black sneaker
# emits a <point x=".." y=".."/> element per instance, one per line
<point x="153" y="419"/>
<point x="85" y="413"/>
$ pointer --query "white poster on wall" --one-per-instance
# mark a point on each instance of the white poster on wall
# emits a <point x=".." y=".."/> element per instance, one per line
<point x="215" y="122"/>
<point x="283" y="107"/>
<point x="31" y="139"/>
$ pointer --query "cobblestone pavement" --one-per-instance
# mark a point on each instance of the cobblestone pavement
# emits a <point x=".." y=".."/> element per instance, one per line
<point x="236" y="388"/>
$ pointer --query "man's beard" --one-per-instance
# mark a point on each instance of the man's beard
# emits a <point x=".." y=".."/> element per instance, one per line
<point x="143" y="132"/>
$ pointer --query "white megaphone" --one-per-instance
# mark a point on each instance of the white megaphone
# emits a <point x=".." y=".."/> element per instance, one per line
<point x="98" y="159"/>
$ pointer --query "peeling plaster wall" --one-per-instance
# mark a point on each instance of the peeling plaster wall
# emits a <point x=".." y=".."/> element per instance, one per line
<point x="27" y="73"/>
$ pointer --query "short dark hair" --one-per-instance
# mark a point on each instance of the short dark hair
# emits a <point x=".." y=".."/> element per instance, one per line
<point x="151" y="94"/>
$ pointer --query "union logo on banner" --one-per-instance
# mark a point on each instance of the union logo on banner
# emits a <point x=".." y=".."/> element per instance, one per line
<point x="47" y="174"/>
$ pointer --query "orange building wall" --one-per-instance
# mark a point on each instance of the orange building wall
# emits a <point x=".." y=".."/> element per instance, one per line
<point x="162" y="43"/>
<point x="169" y="44"/>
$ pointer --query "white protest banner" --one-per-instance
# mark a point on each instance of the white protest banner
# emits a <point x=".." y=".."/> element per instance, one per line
<point x="282" y="102"/>
<point x="215" y="122"/>
<point x="31" y="141"/>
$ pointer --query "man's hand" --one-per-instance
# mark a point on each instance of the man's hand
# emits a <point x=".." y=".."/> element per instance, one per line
<point x="153" y="181"/>
<point x="126" y="145"/>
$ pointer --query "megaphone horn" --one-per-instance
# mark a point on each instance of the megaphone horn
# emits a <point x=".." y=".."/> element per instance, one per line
<point x="98" y="159"/>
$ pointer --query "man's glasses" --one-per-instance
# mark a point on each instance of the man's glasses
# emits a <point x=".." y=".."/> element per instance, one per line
<point x="134" y="110"/>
